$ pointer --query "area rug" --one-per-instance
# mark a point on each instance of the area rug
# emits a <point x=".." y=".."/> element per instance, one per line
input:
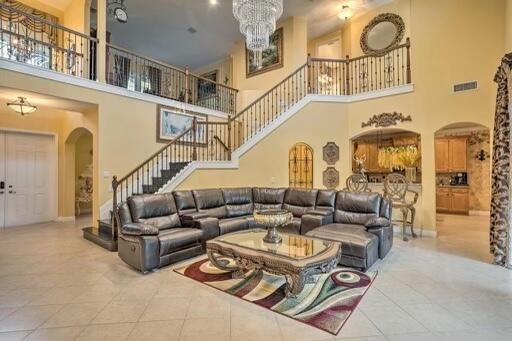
<point x="326" y="303"/>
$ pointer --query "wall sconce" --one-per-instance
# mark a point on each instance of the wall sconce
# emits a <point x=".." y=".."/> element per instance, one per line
<point x="482" y="155"/>
<point x="22" y="106"/>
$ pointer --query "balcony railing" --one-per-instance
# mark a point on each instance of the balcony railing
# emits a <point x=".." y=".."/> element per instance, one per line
<point x="144" y="74"/>
<point x="30" y="39"/>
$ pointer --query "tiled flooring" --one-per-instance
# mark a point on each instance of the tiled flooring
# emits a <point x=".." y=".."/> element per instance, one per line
<point x="54" y="285"/>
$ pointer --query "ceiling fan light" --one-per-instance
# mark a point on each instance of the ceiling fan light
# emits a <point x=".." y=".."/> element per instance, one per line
<point x="22" y="106"/>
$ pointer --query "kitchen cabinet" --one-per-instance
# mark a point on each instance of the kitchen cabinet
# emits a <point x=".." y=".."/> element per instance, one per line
<point x="371" y="151"/>
<point x="451" y="155"/>
<point x="452" y="200"/>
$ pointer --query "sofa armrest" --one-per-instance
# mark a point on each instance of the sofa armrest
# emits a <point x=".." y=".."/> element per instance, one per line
<point x="321" y="212"/>
<point x="139" y="229"/>
<point x="377" y="223"/>
<point x="209" y="226"/>
<point x="193" y="216"/>
<point x="309" y="222"/>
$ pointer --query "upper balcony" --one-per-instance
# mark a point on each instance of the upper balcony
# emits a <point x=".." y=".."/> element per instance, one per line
<point x="34" y="38"/>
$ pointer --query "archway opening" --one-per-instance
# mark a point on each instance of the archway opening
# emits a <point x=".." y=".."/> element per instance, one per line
<point x="462" y="166"/>
<point x="79" y="175"/>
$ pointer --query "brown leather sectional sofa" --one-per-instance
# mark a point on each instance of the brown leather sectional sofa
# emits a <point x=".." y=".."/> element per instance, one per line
<point x="160" y="229"/>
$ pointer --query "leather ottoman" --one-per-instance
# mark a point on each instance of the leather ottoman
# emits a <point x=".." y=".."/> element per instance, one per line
<point x="359" y="248"/>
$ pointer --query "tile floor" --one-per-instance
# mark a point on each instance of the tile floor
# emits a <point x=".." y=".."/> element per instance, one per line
<point x="54" y="285"/>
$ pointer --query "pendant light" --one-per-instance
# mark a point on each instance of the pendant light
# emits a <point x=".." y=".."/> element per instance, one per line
<point x="22" y="106"/>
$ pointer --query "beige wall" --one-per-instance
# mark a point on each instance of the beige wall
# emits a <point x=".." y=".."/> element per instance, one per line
<point x="294" y="53"/>
<point x="223" y="68"/>
<point x="60" y="123"/>
<point x="44" y="7"/>
<point x="439" y="59"/>
<point x="83" y="158"/>
<point x="76" y="16"/>
<point x="508" y="37"/>
<point x="313" y="43"/>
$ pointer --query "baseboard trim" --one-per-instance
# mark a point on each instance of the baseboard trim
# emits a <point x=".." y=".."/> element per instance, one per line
<point x="480" y="213"/>
<point x="65" y="219"/>
<point x="419" y="231"/>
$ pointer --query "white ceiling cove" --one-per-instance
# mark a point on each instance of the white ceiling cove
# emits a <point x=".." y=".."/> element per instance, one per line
<point x="158" y="28"/>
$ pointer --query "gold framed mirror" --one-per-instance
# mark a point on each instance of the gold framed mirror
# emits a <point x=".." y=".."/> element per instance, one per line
<point x="383" y="33"/>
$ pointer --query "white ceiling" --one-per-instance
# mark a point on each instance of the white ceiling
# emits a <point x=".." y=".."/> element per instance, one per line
<point x="158" y="28"/>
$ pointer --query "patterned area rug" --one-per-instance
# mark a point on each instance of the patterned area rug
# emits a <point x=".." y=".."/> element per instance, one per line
<point x="325" y="304"/>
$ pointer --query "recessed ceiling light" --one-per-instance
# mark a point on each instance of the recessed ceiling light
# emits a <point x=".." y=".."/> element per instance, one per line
<point x="213" y="2"/>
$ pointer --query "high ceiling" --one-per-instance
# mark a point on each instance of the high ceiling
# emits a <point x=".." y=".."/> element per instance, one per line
<point x="158" y="28"/>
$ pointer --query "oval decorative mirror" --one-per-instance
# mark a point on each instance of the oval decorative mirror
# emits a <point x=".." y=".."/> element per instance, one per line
<point x="382" y="33"/>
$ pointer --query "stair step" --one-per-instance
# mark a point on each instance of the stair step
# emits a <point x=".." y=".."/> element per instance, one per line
<point x="150" y="189"/>
<point x="160" y="181"/>
<point x="100" y="238"/>
<point x="169" y="173"/>
<point x="105" y="226"/>
<point x="177" y="165"/>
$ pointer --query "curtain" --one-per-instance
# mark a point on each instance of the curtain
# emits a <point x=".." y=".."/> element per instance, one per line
<point x="500" y="229"/>
<point x="35" y="20"/>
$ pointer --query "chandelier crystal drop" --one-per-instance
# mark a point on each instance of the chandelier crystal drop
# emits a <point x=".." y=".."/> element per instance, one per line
<point x="257" y="21"/>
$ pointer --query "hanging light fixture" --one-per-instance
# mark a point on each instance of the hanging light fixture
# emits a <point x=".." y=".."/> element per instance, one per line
<point x="346" y="13"/>
<point x="257" y="20"/>
<point x="22" y="106"/>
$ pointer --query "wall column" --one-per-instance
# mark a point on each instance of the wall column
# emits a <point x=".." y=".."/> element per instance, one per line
<point x="428" y="181"/>
<point x="102" y="39"/>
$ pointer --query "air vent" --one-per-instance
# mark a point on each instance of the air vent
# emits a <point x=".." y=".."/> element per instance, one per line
<point x="465" y="86"/>
<point x="192" y="30"/>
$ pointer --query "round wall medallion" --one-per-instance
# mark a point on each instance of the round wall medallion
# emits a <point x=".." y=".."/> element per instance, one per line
<point x="331" y="153"/>
<point x="331" y="178"/>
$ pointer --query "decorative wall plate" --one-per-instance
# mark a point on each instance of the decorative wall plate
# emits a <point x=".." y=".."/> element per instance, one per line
<point x="331" y="178"/>
<point x="331" y="153"/>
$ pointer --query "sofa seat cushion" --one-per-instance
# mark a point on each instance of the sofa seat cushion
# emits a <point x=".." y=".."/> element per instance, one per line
<point x="178" y="238"/>
<point x="291" y="228"/>
<point x="355" y="241"/>
<point x="233" y="224"/>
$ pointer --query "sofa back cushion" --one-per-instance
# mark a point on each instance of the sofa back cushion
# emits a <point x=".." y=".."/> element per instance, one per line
<point x="210" y="202"/>
<point x="299" y="201"/>
<point x="325" y="200"/>
<point x="356" y="208"/>
<point x="238" y="201"/>
<point x="184" y="202"/>
<point x="385" y="208"/>
<point x="158" y="210"/>
<point x="268" y="198"/>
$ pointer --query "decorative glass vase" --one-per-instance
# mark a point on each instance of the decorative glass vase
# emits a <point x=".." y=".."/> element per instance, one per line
<point x="410" y="173"/>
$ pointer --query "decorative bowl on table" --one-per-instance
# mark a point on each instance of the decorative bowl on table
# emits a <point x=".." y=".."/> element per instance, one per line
<point x="272" y="219"/>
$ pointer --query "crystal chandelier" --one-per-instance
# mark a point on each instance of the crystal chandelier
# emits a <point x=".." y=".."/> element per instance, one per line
<point x="257" y="21"/>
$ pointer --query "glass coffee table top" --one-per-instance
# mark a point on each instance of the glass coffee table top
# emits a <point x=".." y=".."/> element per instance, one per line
<point x="292" y="246"/>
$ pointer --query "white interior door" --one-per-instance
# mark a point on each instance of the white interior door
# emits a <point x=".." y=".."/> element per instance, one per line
<point x="30" y="186"/>
<point x="2" y="180"/>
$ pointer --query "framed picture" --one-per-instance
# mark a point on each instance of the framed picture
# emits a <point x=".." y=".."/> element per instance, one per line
<point x="271" y="59"/>
<point x="172" y="122"/>
<point x="205" y="88"/>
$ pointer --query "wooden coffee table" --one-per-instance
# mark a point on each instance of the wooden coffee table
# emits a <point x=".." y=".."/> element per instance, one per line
<point x="296" y="258"/>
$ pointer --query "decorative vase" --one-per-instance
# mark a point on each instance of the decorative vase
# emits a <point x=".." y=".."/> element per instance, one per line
<point x="410" y="173"/>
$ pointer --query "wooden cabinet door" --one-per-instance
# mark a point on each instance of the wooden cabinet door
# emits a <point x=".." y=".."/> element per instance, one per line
<point x="373" y="158"/>
<point x="458" y="151"/>
<point x="443" y="199"/>
<point x="460" y="200"/>
<point x="442" y="151"/>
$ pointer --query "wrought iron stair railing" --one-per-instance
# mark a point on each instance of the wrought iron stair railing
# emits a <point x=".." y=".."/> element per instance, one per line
<point x="215" y="141"/>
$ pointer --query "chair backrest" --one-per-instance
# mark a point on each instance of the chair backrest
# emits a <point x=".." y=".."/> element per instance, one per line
<point x="325" y="199"/>
<point x="300" y="200"/>
<point x="210" y="202"/>
<point x="268" y="198"/>
<point x="357" y="183"/>
<point x="356" y="208"/>
<point x="396" y="187"/>
<point x="238" y="201"/>
<point x="158" y="210"/>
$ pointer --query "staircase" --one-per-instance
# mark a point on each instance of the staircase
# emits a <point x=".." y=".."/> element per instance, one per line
<point x="217" y="141"/>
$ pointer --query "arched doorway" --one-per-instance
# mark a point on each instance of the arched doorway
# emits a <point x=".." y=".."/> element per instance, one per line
<point x="462" y="169"/>
<point x="79" y="174"/>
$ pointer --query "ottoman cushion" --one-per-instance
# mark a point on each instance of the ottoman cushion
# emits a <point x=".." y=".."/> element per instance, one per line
<point x="359" y="248"/>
